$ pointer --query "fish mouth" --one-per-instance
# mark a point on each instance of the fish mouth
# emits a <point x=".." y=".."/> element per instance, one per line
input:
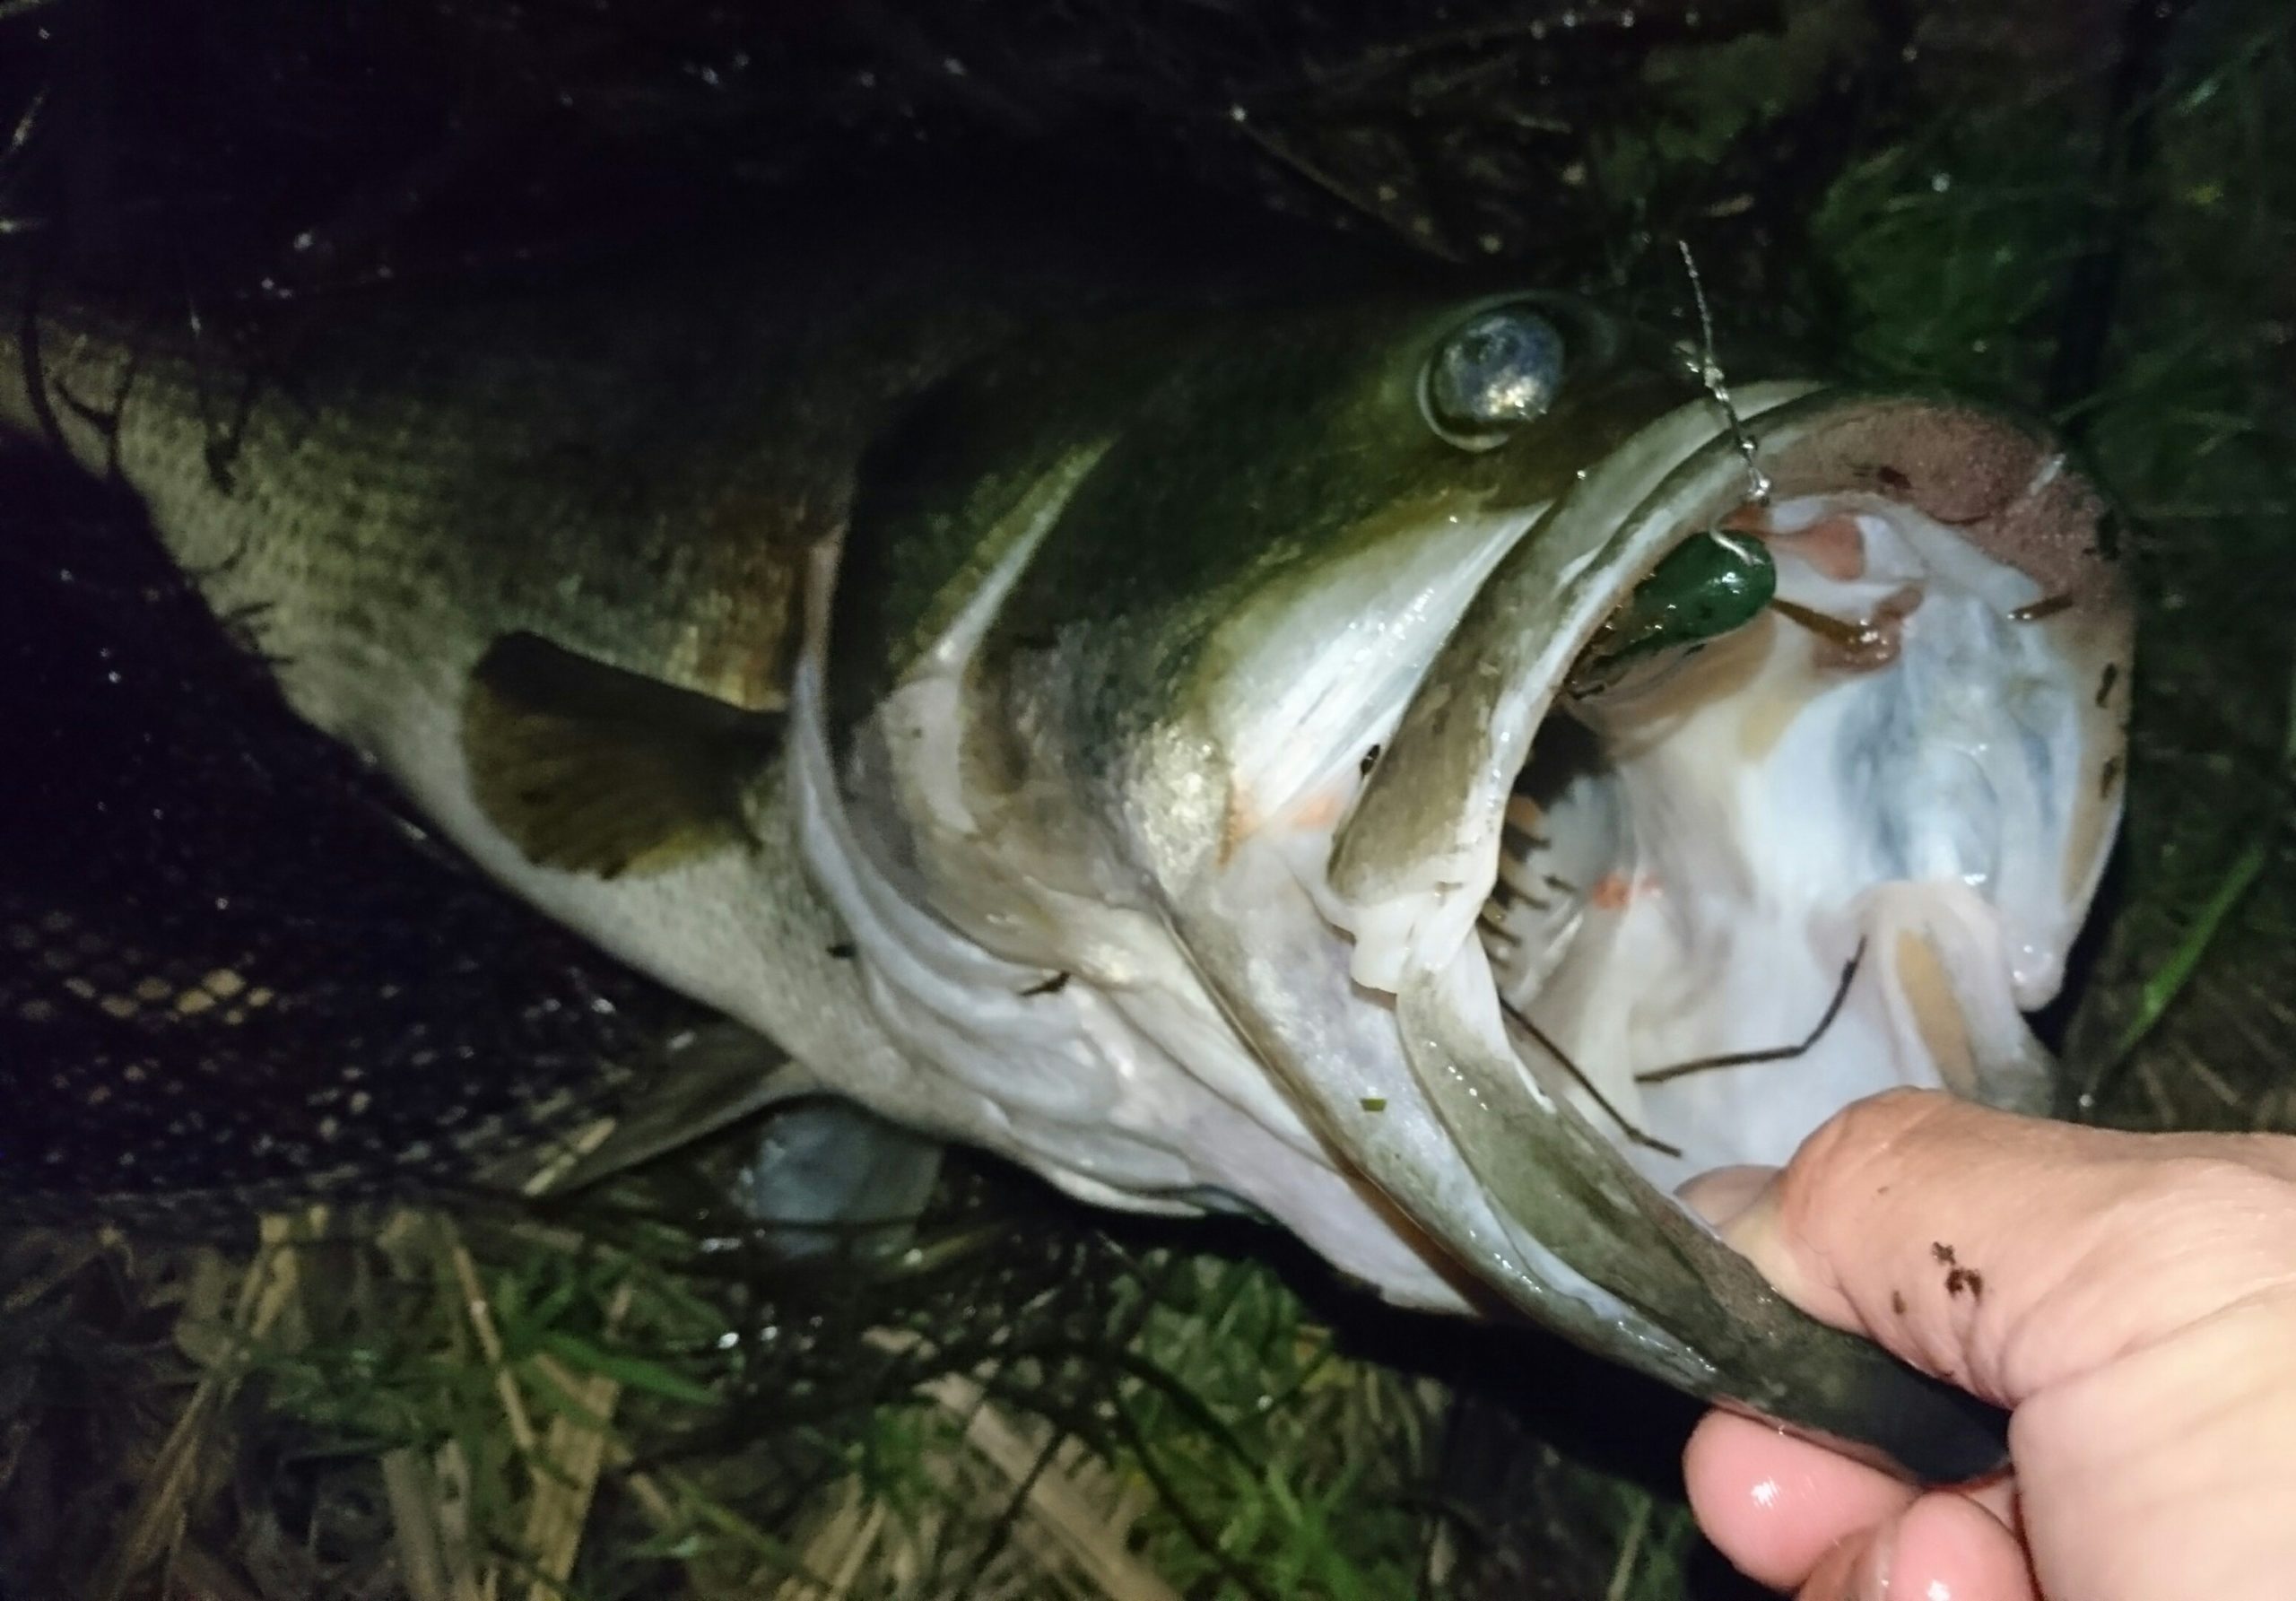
<point x="1843" y="848"/>
<point x="1627" y="928"/>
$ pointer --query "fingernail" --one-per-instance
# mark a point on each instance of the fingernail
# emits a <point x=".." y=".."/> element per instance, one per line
<point x="1857" y="1569"/>
<point x="1842" y="1573"/>
<point x="1726" y="1195"/>
<point x="1870" y="1579"/>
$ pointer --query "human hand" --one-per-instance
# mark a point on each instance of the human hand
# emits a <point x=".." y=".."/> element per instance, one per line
<point x="2131" y="1297"/>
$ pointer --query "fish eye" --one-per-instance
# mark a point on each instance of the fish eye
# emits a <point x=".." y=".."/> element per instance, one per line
<point x="1497" y="371"/>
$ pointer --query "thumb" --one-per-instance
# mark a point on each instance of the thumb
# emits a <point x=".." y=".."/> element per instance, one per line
<point x="2007" y="1254"/>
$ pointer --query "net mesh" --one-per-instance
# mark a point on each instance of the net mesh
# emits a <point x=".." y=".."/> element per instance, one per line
<point x="230" y="966"/>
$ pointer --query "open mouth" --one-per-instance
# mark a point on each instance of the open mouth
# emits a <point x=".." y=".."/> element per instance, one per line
<point x="1819" y="856"/>
<point x="1738" y="882"/>
<point x="1484" y="909"/>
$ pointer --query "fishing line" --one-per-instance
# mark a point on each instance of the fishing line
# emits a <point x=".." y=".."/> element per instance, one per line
<point x="1710" y="373"/>
<point x="1742" y="1058"/>
<point x="1538" y="1036"/>
<point x="1777" y="1053"/>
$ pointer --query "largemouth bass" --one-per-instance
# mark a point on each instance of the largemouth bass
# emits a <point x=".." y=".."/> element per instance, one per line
<point x="1415" y="765"/>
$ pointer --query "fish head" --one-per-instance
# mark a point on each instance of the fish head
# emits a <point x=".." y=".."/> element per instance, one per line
<point x="1452" y="736"/>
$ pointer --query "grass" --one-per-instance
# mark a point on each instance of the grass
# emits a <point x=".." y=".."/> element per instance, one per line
<point x="535" y="1410"/>
<point x="623" y="1398"/>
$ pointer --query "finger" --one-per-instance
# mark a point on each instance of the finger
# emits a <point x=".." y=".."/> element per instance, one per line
<point x="1722" y="1194"/>
<point x="2007" y="1253"/>
<point x="2171" y="1473"/>
<point x="1774" y="1505"/>
<point x="1947" y="1546"/>
<point x="1849" y="1572"/>
<point x="1944" y="1547"/>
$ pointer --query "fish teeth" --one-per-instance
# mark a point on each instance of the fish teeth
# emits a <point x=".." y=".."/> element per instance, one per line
<point x="1517" y="873"/>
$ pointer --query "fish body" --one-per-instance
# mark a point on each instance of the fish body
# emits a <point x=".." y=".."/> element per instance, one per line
<point x="1157" y="737"/>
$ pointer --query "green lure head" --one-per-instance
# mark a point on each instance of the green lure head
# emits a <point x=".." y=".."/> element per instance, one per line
<point x="1712" y="584"/>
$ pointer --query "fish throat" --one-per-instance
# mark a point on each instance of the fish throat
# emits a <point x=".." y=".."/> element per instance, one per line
<point x="1744" y="874"/>
<point x="1755" y="876"/>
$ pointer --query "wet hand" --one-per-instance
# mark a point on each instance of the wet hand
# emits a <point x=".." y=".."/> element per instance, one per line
<point x="2132" y="1298"/>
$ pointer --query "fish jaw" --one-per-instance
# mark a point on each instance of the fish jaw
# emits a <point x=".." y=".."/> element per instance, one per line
<point x="1715" y="846"/>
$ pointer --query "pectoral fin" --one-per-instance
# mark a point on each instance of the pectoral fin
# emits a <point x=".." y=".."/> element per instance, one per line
<point x="595" y="768"/>
<point x="705" y="1080"/>
<point x="827" y="1179"/>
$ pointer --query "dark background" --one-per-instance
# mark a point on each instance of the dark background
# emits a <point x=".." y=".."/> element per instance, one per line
<point x="2079" y="206"/>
